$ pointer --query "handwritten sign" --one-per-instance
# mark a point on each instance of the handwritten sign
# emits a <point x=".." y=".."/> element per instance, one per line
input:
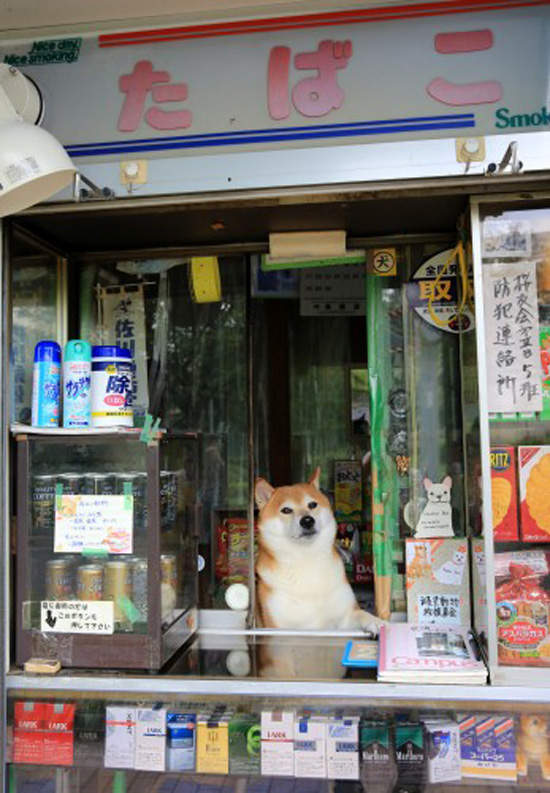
<point x="77" y="616"/>
<point x="439" y="609"/>
<point x="514" y="377"/>
<point x="86" y="523"/>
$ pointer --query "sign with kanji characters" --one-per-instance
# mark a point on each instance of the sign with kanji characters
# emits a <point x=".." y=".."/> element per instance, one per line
<point x="77" y="616"/>
<point x="514" y="373"/>
<point x="122" y="321"/>
<point x="443" y="609"/>
<point x="94" y="523"/>
<point x="294" y="84"/>
<point x="383" y="261"/>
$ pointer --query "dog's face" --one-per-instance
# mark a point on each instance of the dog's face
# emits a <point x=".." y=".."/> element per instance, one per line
<point x="294" y="516"/>
<point x="438" y="492"/>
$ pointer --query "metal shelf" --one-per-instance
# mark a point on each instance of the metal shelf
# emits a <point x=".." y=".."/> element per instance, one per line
<point x="362" y="693"/>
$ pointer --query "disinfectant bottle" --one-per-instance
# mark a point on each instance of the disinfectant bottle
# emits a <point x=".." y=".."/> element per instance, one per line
<point x="45" y="384"/>
<point x="77" y="368"/>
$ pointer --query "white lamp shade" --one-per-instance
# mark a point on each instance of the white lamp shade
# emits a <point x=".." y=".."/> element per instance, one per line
<point x="33" y="166"/>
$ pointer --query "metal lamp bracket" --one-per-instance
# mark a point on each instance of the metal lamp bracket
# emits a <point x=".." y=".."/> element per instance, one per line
<point x="86" y="190"/>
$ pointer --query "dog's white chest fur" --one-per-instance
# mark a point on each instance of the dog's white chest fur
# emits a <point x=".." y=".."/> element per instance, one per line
<point x="309" y="593"/>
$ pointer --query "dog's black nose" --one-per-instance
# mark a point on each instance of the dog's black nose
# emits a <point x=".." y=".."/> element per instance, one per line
<point x="307" y="522"/>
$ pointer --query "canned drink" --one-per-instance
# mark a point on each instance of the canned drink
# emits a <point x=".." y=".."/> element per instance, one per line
<point x="100" y="484"/>
<point x="116" y="587"/>
<point x="168" y="498"/>
<point x="138" y="486"/>
<point x="139" y="587"/>
<point x="72" y="483"/>
<point x="58" y="579"/>
<point x="169" y="570"/>
<point x="89" y="582"/>
<point x="43" y="502"/>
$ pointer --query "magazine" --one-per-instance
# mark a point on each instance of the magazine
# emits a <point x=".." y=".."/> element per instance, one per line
<point x="429" y="654"/>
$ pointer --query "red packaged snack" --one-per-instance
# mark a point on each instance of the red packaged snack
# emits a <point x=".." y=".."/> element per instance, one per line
<point x="523" y="608"/>
<point x="504" y="493"/>
<point x="534" y="492"/>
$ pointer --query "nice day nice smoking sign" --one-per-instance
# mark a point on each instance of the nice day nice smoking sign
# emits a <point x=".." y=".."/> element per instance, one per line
<point x="442" y="76"/>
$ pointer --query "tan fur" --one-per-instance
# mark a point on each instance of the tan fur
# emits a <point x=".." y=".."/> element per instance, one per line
<point x="533" y="744"/>
<point x="302" y="582"/>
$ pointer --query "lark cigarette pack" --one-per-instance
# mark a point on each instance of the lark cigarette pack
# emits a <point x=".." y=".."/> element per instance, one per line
<point x="150" y="739"/>
<point x="343" y="748"/>
<point x="42" y="731"/>
<point x="120" y="736"/>
<point x="277" y="743"/>
<point x="310" y="747"/>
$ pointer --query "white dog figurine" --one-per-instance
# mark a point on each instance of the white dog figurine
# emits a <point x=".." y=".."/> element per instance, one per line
<point x="302" y="583"/>
<point x="436" y="519"/>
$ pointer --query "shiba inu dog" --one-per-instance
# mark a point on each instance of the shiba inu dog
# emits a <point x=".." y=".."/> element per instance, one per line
<point x="302" y="583"/>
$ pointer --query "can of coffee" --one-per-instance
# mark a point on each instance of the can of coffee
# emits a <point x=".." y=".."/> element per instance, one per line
<point x="72" y="483"/>
<point x="43" y="502"/>
<point x="89" y="582"/>
<point x="116" y="587"/>
<point x="136" y="483"/>
<point x="139" y="587"/>
<point x="169" y="570"/>
<point x="58" y="579"/>
<point x="100" y="484"/>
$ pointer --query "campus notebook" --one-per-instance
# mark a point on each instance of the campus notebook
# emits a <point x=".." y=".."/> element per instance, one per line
<point x="428" y="654"/>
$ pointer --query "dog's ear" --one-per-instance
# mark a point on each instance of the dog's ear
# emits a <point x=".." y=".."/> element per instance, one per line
<point x="315" y="478"/>
<point x="263" y="492"/>
<point x="447" y="482"/>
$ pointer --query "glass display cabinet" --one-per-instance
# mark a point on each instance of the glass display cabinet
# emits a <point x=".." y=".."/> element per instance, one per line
<point x="106" y="548"/>
<point x="511" y="244"/>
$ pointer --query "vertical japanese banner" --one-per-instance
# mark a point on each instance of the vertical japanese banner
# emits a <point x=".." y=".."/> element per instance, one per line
<point x="122" y="322"/>
<point x="514" y="372"/>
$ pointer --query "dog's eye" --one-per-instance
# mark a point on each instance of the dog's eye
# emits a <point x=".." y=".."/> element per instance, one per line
<point x="312" y="505"/>
<point x="286" y="510"/>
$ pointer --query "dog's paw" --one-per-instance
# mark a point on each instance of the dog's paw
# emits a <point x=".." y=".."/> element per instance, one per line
<point x="370" y="624"/>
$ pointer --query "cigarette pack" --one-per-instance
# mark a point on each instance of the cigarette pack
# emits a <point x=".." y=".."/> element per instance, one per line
<point x="504" y="493"/>
<point x="180" y="750"/>
<point x="410" y="752"/>
<point x="277" y="751"/>
<point x="488" y="747"/>
<point x="310" y="747"/>
<point x="244" y="744"/>
<point x="343" y="748"/>
<point x="150" y="739"/>
<point x="120" y="736"/>
<point x="213" y="742"/>
<point x="28" y="732"/>
<point x="443" y="751"/>
<point x="58" y="733"/>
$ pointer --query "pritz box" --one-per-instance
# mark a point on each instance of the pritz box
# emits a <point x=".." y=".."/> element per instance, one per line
<point x="181" y="730"/>
<point x="277" y="751"/>
<point x="120" y="736"/>
<point x="534" y="493"/>
<point x="28" y="732"/>
<point x="59" y="733"/>
<point x="310" y="747"/>
<point x="504" y="493"/>
<point x="343" y="748"/>
<point x="150" y="739"/>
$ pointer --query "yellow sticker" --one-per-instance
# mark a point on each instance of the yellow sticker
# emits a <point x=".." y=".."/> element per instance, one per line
<point x="383" y="261"/>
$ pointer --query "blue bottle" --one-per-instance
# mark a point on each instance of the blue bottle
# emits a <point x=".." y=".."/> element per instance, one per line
<point x="77" y="368"/>
<point x="46" y="382"/>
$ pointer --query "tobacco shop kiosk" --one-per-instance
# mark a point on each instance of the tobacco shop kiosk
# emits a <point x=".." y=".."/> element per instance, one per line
<point x="321" y="281"/>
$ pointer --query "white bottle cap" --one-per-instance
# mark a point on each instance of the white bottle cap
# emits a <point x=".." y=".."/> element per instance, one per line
<point x="237" y="596"/>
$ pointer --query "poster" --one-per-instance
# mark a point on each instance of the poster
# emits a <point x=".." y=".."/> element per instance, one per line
<point x="94" y="523"/>
<point x="122" y="322"/>
<point x="514" y="376"/>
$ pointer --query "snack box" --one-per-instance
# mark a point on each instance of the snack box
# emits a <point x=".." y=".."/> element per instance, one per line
<point x="504" y="493"/>
<point x="348" y="490"/>
<point x="277" y="743"/>
<point x="534" y="493"/>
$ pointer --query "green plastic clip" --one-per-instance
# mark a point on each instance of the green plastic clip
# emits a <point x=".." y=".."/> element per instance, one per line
<point x="58" y="495"/>
<point x="128" y="496"/>
<point x="130" y="611"/>
<point x="150" y="428"/>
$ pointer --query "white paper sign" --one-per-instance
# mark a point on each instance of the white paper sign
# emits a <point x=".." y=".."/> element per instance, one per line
<point x="452" y="571"/>
<point x="440" y="609"/>
<point x="514" y="372"/>
<point x="77" y="616"/>
<point x="86" y="523"/>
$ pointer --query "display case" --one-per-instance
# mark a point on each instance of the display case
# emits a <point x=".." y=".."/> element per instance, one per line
<point x="511" y="243"/>
<point x="106" y="547"/>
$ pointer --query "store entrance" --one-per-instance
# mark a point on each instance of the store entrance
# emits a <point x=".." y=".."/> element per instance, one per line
<point x="286" y="371"/>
